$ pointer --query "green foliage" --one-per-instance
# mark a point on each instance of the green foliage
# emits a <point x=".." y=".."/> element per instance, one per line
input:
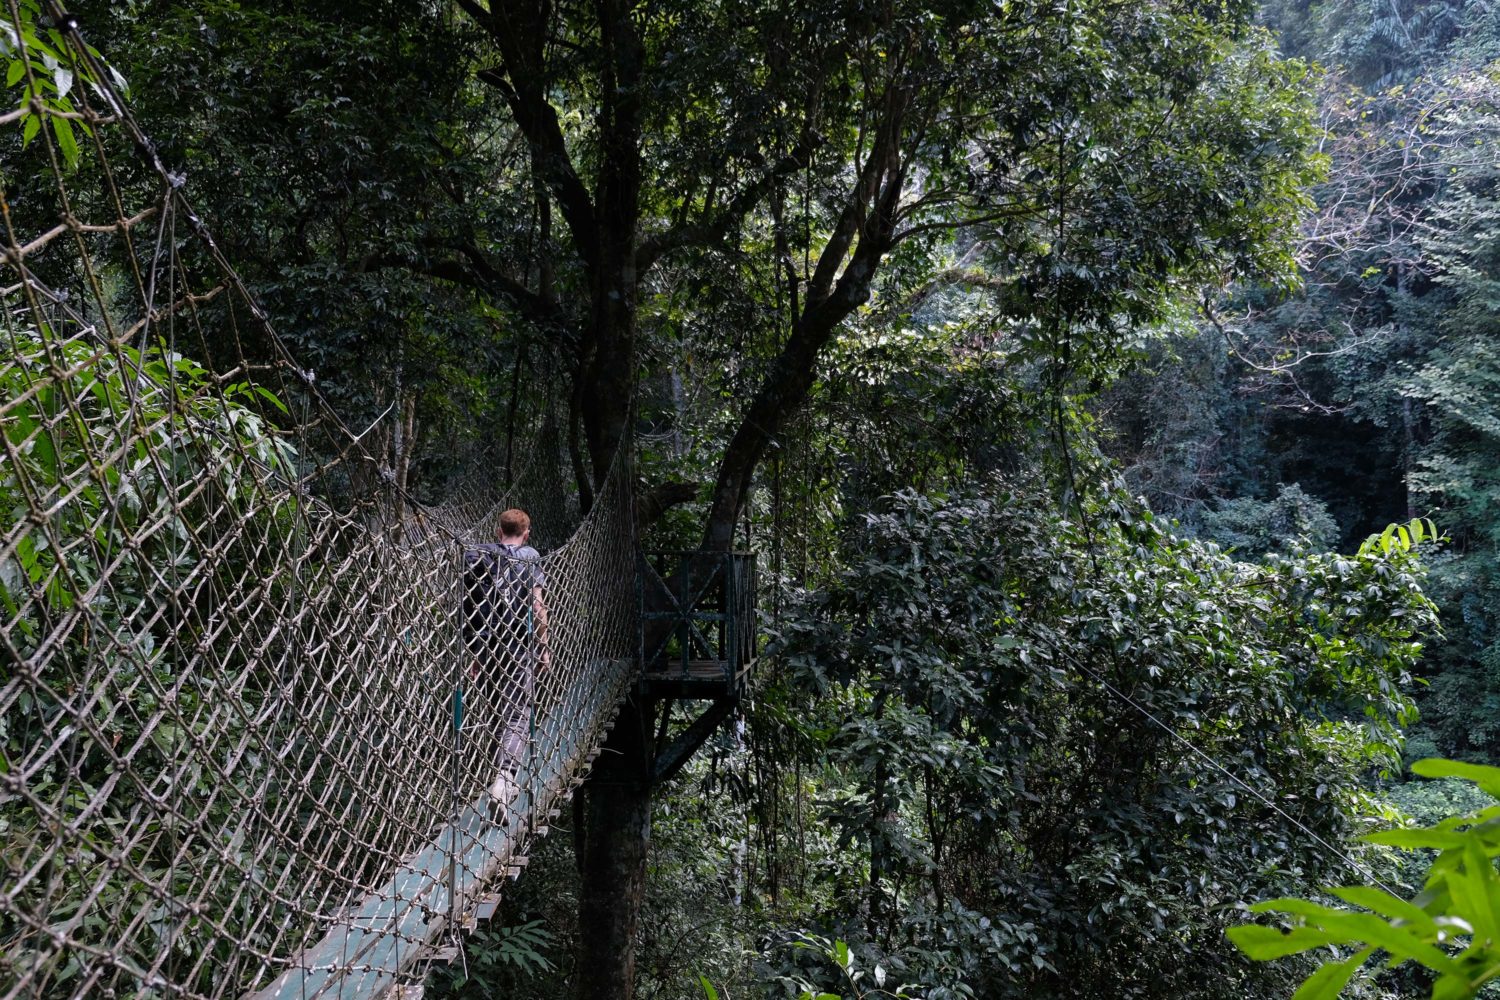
<point x="1250" y="528"/>
<point x="1426" y="802"/>
<point x="975" y="808"/>
<point x="346" y="160"/>
<point x="528" y="948"/>
<point x="1374" y="388"/>
<point x="698" y="920"/>
<point x="40" y="71"/>
<point x="54" y="426"/>
<point x="512" y="953"/>
<point x="1022" y="711"/>
<point x="522" y="947"/>
<point x="1378" y="44"/>
<point x="1455" y="381"/>
<point x="855" y="983"/>
<point x="141" y="505"/>
<point x="1451" y="927"/>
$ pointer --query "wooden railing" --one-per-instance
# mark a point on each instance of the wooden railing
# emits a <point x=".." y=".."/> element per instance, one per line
<point x="697" y="620"/>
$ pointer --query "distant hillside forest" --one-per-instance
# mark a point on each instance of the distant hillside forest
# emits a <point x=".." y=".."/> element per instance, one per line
<point x="1368" y="396"/>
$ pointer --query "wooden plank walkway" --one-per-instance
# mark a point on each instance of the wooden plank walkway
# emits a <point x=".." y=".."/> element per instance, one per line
<point x="366" y="953"/>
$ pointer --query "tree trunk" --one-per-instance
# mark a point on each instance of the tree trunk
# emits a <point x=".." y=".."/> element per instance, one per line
<point x="835" y="290"/>
<point x="612" y="840"/>
<point x="1408" y="420"/>
<point x="1408" y="454"/>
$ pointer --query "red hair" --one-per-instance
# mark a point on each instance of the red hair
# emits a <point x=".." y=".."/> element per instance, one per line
<point x="514" y="522"/>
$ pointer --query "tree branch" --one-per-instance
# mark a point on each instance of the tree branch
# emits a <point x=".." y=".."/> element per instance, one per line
<point x="521" y="80"/>
<point x="475" y="11"/>
<point x="868" y="224"/>
<point x="706" y="233"/>
<point x="472" y="269"/>
<point x="651" y="505"/>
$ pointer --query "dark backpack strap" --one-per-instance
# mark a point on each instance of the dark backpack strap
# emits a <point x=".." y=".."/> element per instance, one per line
<point x="516" y="576"/>
<point x="478" y="584"/>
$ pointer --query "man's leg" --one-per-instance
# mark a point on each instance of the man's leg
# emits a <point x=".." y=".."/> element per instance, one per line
<point x="513" y="734"/>
<point x="511" y="750"/>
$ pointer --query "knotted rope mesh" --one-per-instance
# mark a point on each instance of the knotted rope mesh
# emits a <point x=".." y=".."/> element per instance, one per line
<point x="248" y="741"/>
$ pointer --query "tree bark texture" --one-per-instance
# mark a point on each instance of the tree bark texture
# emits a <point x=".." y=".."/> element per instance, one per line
<point x="612" y="839"/>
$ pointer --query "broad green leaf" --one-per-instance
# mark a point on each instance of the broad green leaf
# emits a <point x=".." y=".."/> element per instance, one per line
<point x="66" y="141"/>
<point x="271" y="397"/>
<point x="1483" y="775"/>
<point x="1435" y="839"/>
<point x="1384" y="903"/>
<point x="1331" y="977"/>
<point x="1265" y="943"/>
<point x="1480" y="879"/>
<point x="1298" y="907"/>
<point x="1452" y="988"/>
<point x="1400" y="941"/>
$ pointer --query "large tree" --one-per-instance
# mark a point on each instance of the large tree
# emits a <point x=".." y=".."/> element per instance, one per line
<point x="1100" y="152"/>
<point x="1093" y="161"/>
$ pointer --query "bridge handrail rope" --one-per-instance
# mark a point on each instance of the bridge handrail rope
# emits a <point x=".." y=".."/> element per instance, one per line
<point x="247" y="745"/>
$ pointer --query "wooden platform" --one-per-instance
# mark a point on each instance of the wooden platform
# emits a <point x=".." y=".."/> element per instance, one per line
<point x="697" y="622"/>
<point x="696" y="679"/>
<point x="692" y="670"/>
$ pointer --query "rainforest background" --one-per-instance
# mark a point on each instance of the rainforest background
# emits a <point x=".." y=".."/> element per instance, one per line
<point x="1055" y="358"/>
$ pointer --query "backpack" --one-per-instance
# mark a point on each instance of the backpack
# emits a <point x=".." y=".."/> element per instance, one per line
<point x="497" y="589"/>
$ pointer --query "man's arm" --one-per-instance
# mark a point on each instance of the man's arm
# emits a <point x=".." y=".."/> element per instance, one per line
<point x="543" y="631"/>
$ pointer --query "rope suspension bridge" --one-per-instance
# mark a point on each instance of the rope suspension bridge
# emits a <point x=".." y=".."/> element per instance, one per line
<point x="246" y="748"/>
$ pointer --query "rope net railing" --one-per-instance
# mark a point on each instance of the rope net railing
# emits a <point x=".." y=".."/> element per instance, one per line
<point x="250" y="741"/>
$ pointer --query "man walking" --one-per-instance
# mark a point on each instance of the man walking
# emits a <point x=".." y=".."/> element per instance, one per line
<point x="508" y="636"/>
